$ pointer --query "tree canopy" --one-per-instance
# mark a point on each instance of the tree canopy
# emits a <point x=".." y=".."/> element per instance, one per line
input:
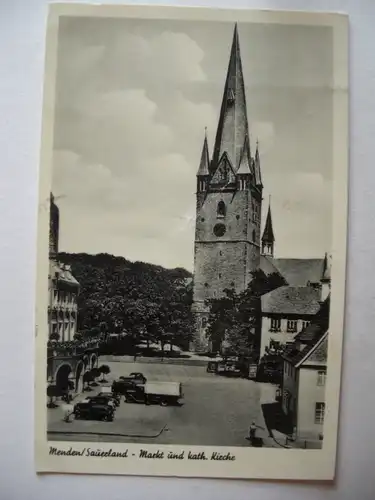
<point x="147" y="301"/>
<point x="234" y="319"/>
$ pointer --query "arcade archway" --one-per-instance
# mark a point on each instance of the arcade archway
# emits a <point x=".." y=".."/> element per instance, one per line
<point x="93" y="361"/>
<point x="78" y="377"/>
<point x="62" y="377"/>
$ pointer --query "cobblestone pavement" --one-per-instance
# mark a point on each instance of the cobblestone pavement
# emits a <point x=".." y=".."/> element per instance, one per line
<point x="217" y="411"/>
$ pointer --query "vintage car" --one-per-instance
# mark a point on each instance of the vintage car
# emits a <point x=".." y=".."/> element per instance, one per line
<point x="162" y="393"/>
<point x="113" y="398"/>
<point x="94" y="409"/>
<point x="135" y="377"/>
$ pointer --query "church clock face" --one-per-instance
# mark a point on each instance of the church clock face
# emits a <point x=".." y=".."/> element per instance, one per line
<point x="219" y="230"/>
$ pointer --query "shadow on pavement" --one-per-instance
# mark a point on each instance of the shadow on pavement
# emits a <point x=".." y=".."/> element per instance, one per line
<point x="256" y="442"/>
<point x="275" y="419"/>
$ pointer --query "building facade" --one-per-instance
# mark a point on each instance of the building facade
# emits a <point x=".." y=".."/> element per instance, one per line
<point x="63" y="288"/>
<point x="288" y="310"/>
<point x="304" y="378"/>
<point x="67" y="358"/>
<point x="228" y="202"/>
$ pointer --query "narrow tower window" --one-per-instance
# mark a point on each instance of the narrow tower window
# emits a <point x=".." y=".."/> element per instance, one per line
<point x="253" y="235"/>
<point x="221" y="209"/>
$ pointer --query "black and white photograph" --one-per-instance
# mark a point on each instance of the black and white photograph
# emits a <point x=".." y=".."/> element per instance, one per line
<point x="192" y="242"/>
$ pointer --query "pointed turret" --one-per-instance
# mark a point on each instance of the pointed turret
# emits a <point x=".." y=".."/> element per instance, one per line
<point x="258" y="177"/>
<point x="245" y="166"/>
<point x="54" y="217"/>
<point x="233" y="125"/>
<point x="326" y="277"/>
<point x="268" y="238"/>
<point x="204" y="165"/>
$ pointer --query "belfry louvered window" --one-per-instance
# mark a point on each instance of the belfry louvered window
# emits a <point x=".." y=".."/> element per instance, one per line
<point x="221" y="209"/>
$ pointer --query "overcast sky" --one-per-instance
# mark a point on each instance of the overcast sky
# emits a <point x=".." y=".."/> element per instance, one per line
<point x="132" y="100"/>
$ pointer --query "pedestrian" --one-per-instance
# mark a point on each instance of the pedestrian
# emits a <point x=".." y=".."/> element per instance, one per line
<point x="252" y="431"/>
<point x="68" y="413"/>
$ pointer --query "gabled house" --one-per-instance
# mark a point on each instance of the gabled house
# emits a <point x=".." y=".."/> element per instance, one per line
<point x="288" y="310"/>
<point x="304" y="377"/>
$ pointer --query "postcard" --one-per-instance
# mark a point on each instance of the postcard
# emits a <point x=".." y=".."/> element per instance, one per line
<point x="191" y="242"/>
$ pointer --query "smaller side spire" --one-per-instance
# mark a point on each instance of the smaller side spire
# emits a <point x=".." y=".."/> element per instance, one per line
<point x="54" y="221"/>
<point x="245" y="160"/>
<point x="326" y="278"/>
<point x="204" y="166"/>
<point x="205" y="157"/>
<point x="268" y="238"/>
<point x="258" y="176"/>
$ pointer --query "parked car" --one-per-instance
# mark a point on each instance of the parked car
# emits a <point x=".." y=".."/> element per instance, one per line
<point x="114" y="398"/>
<point x="135" y="377"/>
<point x="104" y="399"/>
<point x="121" y="386"/>
<point x="94" y="409"/>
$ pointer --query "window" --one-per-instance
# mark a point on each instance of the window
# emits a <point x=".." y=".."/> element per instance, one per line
<point x="253" y="235"/>
<point x="292" y="325"/>
<point x="321" y="378"/>
<point x="221" y="209"/>
<point x="219" y="275"/>
<point x="319" y="413"/>
<point x="204" y="322"/>
<point x="275" y="325"/>
<point x="305" y="324"/>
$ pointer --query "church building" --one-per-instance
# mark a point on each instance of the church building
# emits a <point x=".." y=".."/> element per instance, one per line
<point x="228" y="243"/>
<point x="229" y="202"/>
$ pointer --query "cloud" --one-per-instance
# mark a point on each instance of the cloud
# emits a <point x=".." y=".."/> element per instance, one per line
<point x="173" y="58"/>
<point x="132" y="104"/>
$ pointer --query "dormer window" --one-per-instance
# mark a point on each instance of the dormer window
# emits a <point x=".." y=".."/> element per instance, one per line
<point x="230" y="96"/>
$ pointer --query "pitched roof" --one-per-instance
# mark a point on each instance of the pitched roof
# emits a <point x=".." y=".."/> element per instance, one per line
<point x="233" y="123"/>
<point x="298" y="272"/>
<point x="310" y="338"/>
<point x="268" y="235"/>
<point x="296" y="357"/>
<point x="299" y="300"/>
<point x="64" y="272"/>
<point x="267" y="266"/>
<point x="320" y="321"/>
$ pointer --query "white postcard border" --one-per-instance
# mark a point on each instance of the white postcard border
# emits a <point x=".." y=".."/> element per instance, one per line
<point x="263" y="463"/>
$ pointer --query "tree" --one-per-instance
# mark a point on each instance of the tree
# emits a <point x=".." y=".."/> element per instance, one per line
<point x="131" y="297"/>
<point x="95" y="373"/>
<point x="103" y="330"/>
<point x="104" y="370"/>
<point x="87" y="378"/>
<point x="52" y="392"/>
<point x="234" y="319"/>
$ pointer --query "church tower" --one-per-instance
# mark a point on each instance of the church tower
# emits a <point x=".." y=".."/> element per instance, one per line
<point x="268" y="238"/>
<point x="228" y="202"/>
